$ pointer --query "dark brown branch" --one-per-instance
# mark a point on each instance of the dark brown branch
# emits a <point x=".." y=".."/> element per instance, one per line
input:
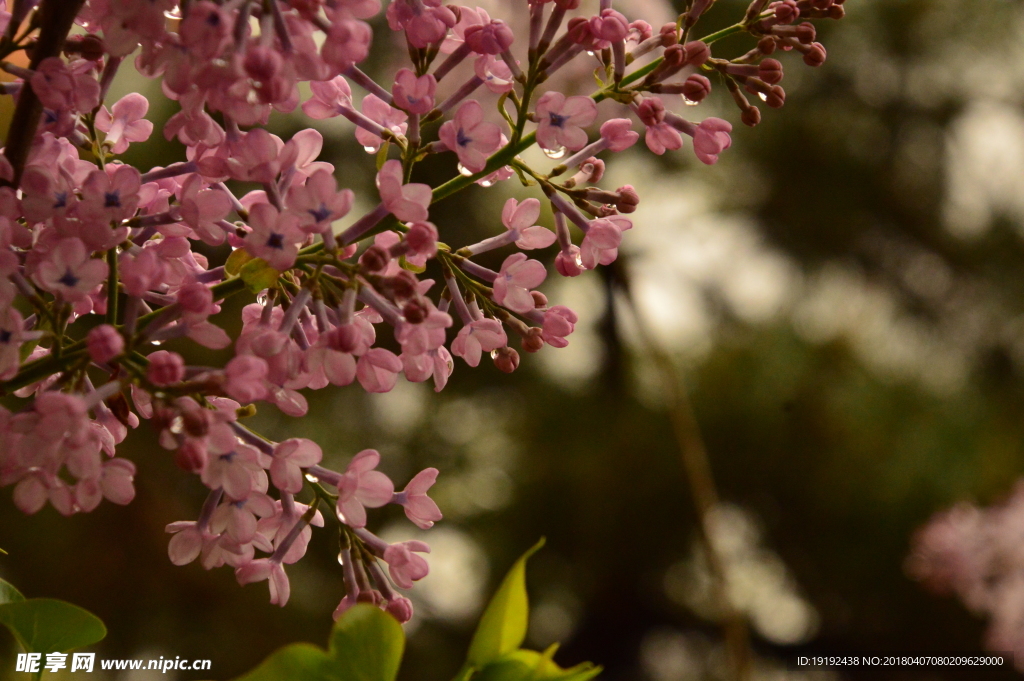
<point x="56" y="18"/>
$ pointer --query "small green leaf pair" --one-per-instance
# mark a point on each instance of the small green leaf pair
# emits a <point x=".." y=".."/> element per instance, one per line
<point x="367" y="645"/>
<point x="46" y="625"/>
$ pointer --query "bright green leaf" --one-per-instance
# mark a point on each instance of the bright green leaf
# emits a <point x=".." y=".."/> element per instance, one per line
<point x="8" y="594"/>
<point x="503" y="626"/>
<point x="367" y="645"/>
<point x="382" y="154"/>
<point x="236" y="260"/>
<point x="528" y="665"/>
<point x="46" y="625"/>
<point x="258" y="275"/>
<point x="299" y="661"/>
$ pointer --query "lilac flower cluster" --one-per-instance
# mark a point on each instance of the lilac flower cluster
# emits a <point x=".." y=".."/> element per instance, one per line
<point x="99" y="261"/>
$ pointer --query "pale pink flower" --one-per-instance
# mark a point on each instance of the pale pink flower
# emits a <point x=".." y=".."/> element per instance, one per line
<point x="515" y="279"/>
<point x="329" y="99"/>
<point x="523" y="217"/>
<point x="561" y="119"/>
<point x="187" y="542"/>
<point x="69" y="272"/>
<point x="419" y="507"/>
<point x="390" y="118"/>
<point x="471" y="137"/>
<point x="12" y="335"/>
<point x="407" y="202"/>
<point x="559" y="322"/>
<point x="601" y="242"/>
<point x="290" y="457"/>
<point x="246" y="378"/>
<point x="205" y="29"/>
<point x="231" y="468"/>
<point x="347" y="42"/>
<point x="404" y="565"/>
<point x="111" y="194"/>
<point x="415" y="95"/>
<point x="117" y="481"/>
<point x="424" y="21"/>
<point x="318" y="203"/>
<point x="362" y="487"/>
<point x="46" y="194"/>
<point x="238" y="518"/>
<point x="201" y="209"/>
<point x="618" y="135"/>
<point x="495" y="73"/>
<point x="126" y="122"/>
<point x="377" y="370"/>
<point x="275" y="236"/>
<point x="482" y="335"/>
<point x="270" y="570"/>
<point x="711" y="138"/>
<point x="429" y="334"/>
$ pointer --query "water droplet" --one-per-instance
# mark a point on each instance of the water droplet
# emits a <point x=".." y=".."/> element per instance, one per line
<point x="341" y="559"/>
<point x="173" y="13"/>
<point x="261" y="298"/>
<point x="555" y="154"/>
<point x="592" y="53"/>
<point x="485" y="183"/>
<point x="156" y="342"/>
<point x="312" y="478"/>
<point x="464" y="171"/>
<point x="763" y="96"/>
<point x="689" y="102"/>
<point x="370" y="150"/>
<point x="579" y="259"/>
<point x="494" y="354"/>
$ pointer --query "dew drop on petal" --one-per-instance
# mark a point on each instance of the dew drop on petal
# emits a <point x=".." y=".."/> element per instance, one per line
<point x="312" y="478"/>
<point x="261" y="298"/>
<point x="555" y="154"/>
<point x="369" y="150"/>
<point x="688" y="102"/>
<point x="464" y="171"/>
<point x="494" y="354"/>
<point x="763" y="96"/>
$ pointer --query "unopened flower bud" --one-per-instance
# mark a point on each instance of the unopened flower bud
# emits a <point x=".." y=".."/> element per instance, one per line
<point x="191" y="456"/>
<point x="651" y="111"/>
<point x="375" y="259"/>
<point x="104" y="343"/>
<point x="344" y="338"/>
<point x="770" y="71"/>
<point x="415" y="311"/>
<point x="422" y="238"/>
<point x="400" y="608"/>
<point x="696" y="52"/>
<point x="628" y="199"/>
<point x="506" y="359"/>
<point x="492" y="38"/>
<point x="403" y="286"/>
<point x="532" y="340"/>
<point x="669" y="34"/>
<point x="815" y="56"/>
<point x="696" y="88"/>
<point x="165" y="367"/>
<point x="766" y="45"/>
<point x="539" y="299"/>
<point x="751" y="116"/>
<point x="89" y="46"/>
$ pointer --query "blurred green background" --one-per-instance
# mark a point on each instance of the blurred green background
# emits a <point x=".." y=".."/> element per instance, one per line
<point x="843" y="293"/>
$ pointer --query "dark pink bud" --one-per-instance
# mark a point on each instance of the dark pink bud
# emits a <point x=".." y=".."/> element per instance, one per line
<point x="403" y="286"/>
<point x="104" y="343"/>
<point x="770" y="71"/>
<point x="539" y="299"/>
<point x="766" y="45"/>
<point x="597" y="171"/>
<point x="165" y="368"/>
<point x="400" y="608"/>
<point x="696" y="53"/>
<point x="492" y="38"/>
<point x="696" y="88"/>
<point x="815" y="56"/>
<point x="262" y="63"/>
<point x="415" y="311"/>
<point x="422" y="238"/>
<point x="805" y="33"/>
<point x="191" y="456"/>
<point x="651" y="111"/>
<point x="628" y="199"/>
<point x="751" y="116"/>
<point x="506" y="359"/>
<point x="669" y="34"/>
<point x="786" y="12"/>
<point x="641" y="30"/>
<point x="532" y="340"/>
<point x="618" y="134"/>
<point x="578" y="30"/>
<point x="375" y="259"/>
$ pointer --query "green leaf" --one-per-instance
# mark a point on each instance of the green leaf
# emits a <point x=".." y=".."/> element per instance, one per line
<point x="46" y="625"/>
<point x="382" y="154"/>
<point x="503" y="626"/>
<point x="367" y="645"/>
<point x="258" y="275"/>
<point x="528" y="665"/>
<point x="236" y="260"/>
<point x="299" y="661"/>
<point x="8" y="594"/>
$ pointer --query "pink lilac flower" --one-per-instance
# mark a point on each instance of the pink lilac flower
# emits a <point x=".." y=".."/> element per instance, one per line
<point x="559" y="322"/>
<point x="517" y="276"/>
<point x="419" y="507"/>
<point x="202" y="209"/>
<point x="477" y="337"/>
<point x="275" y="236"/>
<point x="104" y="343"/>
<point x="246" y="377"/>
<point x="318" y="203"/>
<point x="470" y="137"/>
<point x="362" y="487"/>
<point x="407" y="202"/>
<point x="290" y="457"/>
<point x="386" y="116"/>
<point x="522" y="217"/>
<point x="125" y="122"/>
<point x="404" y="565"/>
<point x="69" y="272"/>
<point x="111" y="195"/>
<point x="561" y="119"/>
<point x="377" y="370"/>
<point x="412" y="94"/>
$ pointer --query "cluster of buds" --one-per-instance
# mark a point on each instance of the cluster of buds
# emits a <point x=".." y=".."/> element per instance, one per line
<point x="100" y="261"/>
